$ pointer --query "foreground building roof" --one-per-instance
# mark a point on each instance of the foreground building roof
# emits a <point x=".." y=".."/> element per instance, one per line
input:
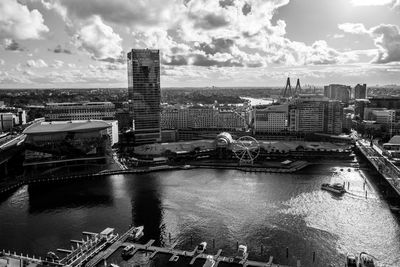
<point x="66" y="126"/>
<point x="395" y="140"/>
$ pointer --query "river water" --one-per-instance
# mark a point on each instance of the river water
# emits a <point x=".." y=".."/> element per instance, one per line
<point x="277" y="211"/>
<point x="259" y="101"/>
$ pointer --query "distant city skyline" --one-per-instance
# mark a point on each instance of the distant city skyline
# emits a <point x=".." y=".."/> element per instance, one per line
<point x="225" y="43"/>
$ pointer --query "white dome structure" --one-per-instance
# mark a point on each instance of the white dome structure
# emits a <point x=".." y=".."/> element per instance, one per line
<point x="224" y="139"/>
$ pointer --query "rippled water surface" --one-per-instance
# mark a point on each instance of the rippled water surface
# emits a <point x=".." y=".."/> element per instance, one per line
<point x="277" y="211"/>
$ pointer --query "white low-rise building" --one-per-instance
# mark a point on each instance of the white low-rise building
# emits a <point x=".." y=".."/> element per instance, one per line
<point x="79" y="111"/>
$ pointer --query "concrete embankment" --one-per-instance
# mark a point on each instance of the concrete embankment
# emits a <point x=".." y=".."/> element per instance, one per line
<point x="271" y="168"/>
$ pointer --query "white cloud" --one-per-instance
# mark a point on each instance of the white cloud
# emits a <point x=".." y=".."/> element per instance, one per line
<point x="338" y="36"/>
<point x="396" y="5"/>
<point x="57" y="64"/>
<point x="356" y="28"/>
<point x="2" y="61"/>
<point x="39" y="63"/>
<point x="191" y="32"/>
<point x="7" y="78"/>
<point x="17" y="22"/>
<point x="386" y="38"/>
<point x="99" y="39"/>
<point x="209" y="33"/>
<point x="54" y="5"/>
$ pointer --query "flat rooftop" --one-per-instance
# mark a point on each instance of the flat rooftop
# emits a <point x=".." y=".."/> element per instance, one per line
<point x="66" y="126"/>
<point x="68" y="104"/>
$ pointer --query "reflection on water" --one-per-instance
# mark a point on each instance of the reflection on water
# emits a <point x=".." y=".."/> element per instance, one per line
<point x="258" y="101"/>
<point x="277" y="211"/>
<point x="147" y="207"/>
<point x="61" y="196"/>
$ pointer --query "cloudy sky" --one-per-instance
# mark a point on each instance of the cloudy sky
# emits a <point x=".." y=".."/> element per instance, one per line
<point x="83" y="43"/>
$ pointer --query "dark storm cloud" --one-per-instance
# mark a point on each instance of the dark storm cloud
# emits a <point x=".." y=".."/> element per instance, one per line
<point x="115" y="67"/>
<point x="203" y="61"/>
<point x="247" y="34"/>
<point x="199" y="60"/>
<point x="186" y="2"/>
<point x="219" y="45"/>
<point x="255" y="65"/>
<point x="13" y="46"/>
<point x="246" y="9"/>
<point x="324" y="61"/>
<point x="113" y="60"/>
<point x="209" y="21"/>
<point x="176" y="60"/>
<point x="117" y="60"/>
<point x="281" y="59"/>
<point x="225" y="3"/>
<point x="118" y="11"/>
<point x="60" y="49"/>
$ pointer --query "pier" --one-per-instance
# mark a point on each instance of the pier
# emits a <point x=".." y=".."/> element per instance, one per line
<point x="389" y="171"/>
<point x="176" y="253"/>
<point x="98" y="247"/>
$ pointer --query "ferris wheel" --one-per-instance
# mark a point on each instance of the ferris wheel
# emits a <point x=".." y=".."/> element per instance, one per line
<point x="246" y="149"/>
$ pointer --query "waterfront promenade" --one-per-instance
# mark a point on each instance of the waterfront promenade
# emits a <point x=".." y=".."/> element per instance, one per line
<point x="278" y="168"/>
<point x="389" y="171"/>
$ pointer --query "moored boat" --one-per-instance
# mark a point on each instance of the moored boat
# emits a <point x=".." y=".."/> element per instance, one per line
<point x="351" y="260"/>
<point x="201" y="247"/>
<point x="334" y="188"/>
<point x="128" y="251"/>
<point x="210" y="262"/>
<point x="241" y="254"/>
<point x="366" y="260"/>
<point x="136" y="234"/>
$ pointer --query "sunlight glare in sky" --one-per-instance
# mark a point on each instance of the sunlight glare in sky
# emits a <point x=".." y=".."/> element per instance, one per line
<point x="371" y="2"/>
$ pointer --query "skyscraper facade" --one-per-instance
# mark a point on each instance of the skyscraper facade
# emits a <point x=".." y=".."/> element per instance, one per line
<point x="203" y="118"/>
<point x="144" y="94"/>
<point x="338" y="92"/>
<point x="360" y="91"/>
<point x="333" y="117"/>
<point x="308" y="114"/>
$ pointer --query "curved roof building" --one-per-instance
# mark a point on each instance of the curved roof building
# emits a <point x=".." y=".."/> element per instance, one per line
<point x="224" y="139"/>
<point x="66" y="126"/>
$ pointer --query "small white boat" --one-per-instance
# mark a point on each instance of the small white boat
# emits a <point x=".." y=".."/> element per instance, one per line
<point x="334" y="188"/>
<point x="128" y="251"/>
<point x="136" y="234"/>
<point x="366" y="260"/>
<point x="241" y="254"/>
<point x="210" y="262"/>
<point x="351" y="260"/>
<point x="201" y="247"/>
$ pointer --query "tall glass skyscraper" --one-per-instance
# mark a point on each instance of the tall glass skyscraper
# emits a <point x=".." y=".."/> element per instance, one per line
<point x="144" y="94"/>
